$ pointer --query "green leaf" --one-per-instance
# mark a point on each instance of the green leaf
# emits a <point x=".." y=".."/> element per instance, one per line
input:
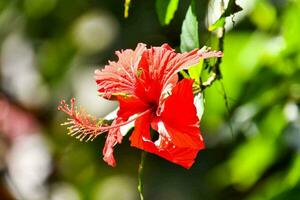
<point x="195" y="71"/>
<point x="189" y="38"/>
<point x="219" y="23"/>
<point x="231" y="9"/>
<point x="184" y="74"/>
<point x="165" y="10"/>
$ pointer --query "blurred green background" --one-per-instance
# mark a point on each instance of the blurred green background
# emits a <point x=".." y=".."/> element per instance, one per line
<point x="49" y="50"/>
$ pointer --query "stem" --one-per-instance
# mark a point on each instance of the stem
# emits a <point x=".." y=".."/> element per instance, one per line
<point x="209" y="81"/>
<point x="217" y="75"/>
<point x="126" y="8"/>
<point x="140" y="176"/>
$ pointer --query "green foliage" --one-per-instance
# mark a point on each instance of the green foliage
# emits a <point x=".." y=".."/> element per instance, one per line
<point x="231" y="9"/>
<point x="53" y="65"/>
<point x="218" y="24"/>
<point x="195" y="71"/>
<point x="269" y="18"/>
<point x="290" y="26"/>
<point x="38" y="8"/>
<point x="166" y="10"/>
<point x="189" y="38"/>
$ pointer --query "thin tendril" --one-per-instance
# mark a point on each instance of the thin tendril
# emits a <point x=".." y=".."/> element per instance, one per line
<point x="227" y="108"/>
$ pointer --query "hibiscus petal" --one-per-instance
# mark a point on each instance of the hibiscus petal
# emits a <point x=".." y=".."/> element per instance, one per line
<point x="185" y="60"/>
<point x="114" y="136"/>
<point x="179" y="117"/>
<point x="130" y="105"/>
<point x="119" y="77"/>
<point x="141" y="132"/>
<point x="141" y="138"/>
<point x="146" y="71"/>
<point x="159" y="66"/>
<point x="178" y="128"/>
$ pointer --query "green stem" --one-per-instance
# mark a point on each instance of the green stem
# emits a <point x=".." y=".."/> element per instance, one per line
<point x="140" y="176"/>
<point x="217" y="74"/>
<point x="126" y="8"/>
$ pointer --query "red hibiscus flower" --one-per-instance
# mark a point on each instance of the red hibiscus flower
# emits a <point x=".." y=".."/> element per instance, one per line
<point x="145" y="82"/>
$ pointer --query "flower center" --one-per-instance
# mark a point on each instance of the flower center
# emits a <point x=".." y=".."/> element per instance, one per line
<point x="153" y="105"/>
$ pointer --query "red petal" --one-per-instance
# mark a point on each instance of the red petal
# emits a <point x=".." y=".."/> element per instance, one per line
<point x="119" y="77"/>
<point x="148" y="71"/>
<point x="141" y="133"/>
<point x="140" y="138"/>
<point x="163" y="62"/>
<point x="159" y="67"/>
<point x="178" y="127"/>
<point x="130" y="105"/>
<point x="178" y="123"/>
<point x="113" y="137"/>
<point x="179" y="117"/>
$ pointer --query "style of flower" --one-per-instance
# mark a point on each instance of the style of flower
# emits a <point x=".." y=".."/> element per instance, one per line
<point x="146" y="85"/>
